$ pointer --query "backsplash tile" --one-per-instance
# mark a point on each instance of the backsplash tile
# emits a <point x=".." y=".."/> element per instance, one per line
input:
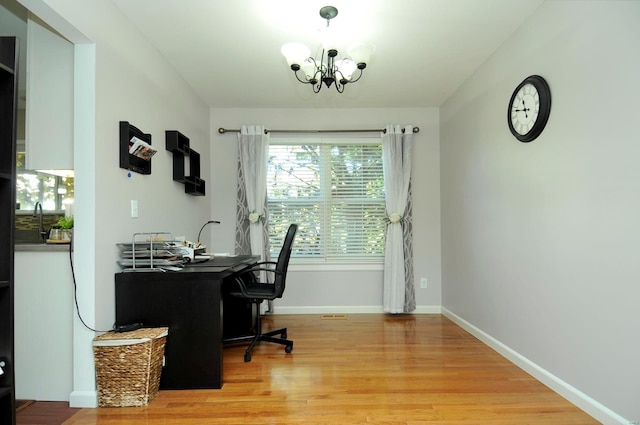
<point x="29" y="222"/>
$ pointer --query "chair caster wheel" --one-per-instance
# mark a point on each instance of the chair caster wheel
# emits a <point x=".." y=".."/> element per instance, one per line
<point x="283" y="335"/>
<point x="247" y="357"/>
<point x="288" y="348"/>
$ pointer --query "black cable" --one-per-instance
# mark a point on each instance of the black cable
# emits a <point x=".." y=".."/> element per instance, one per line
<point x="75" y="289"/>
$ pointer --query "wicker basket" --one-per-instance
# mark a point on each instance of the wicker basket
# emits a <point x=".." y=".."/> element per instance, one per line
<point x="128" y="366"/>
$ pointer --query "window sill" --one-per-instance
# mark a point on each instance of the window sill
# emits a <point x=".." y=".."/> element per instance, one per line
<point x="331" y="267"/>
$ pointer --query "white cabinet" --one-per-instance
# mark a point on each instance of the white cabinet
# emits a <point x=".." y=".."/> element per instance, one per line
<point x="49" y="104"/>
<point x="43" y="326"/>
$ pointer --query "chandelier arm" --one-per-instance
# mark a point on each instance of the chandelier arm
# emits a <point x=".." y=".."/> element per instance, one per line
<point x="359" y="75"/>
<point x="302" y="81"/>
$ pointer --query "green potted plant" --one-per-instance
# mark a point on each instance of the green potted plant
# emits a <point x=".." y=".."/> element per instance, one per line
<point x="65" y="227"/>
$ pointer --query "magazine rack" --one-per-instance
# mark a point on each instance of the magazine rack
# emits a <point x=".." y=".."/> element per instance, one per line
<point x="127" y="160"/>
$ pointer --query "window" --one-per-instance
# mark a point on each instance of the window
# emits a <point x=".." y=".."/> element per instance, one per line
<point x="334" y="190"/>
<point x="53" y="192"/>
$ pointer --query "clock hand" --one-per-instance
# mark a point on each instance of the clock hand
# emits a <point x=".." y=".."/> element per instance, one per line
<point x="524" y="109"/>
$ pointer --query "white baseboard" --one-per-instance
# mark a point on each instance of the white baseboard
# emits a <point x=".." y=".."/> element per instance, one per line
<point x="83" y="399"/>
<point x="592" y="407"/>
<point x="348" y="309"/>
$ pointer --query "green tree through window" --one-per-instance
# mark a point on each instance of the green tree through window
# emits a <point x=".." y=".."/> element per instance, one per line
<point x="53" y="192"/>
<point x="335" y="191"/>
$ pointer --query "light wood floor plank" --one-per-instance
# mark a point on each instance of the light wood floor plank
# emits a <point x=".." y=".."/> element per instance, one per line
<point x="365" y="369"/>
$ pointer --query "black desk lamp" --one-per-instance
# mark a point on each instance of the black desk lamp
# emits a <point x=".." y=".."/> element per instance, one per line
<point x="203" y="226"/>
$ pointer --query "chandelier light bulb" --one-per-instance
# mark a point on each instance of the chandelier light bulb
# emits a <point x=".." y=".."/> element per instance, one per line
<point x="361" y="53"/>
<point x="329" y="37"/>
<point x="345" y="68"/>
<point x="309" y="70"/>
<point x="295" y="53"/>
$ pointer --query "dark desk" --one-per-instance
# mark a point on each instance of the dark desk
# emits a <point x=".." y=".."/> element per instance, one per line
<point x="190" y="303"/>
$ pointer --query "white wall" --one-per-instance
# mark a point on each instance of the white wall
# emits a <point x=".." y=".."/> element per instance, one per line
<point x="540" y="240"/>
<point x="122" y="78"/>
<point x="331" y="289"/>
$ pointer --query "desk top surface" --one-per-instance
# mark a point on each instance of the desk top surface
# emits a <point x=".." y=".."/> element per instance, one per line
<point x="221" y="263"/>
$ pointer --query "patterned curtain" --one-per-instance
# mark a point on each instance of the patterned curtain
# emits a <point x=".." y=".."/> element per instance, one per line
<point x="243" y="241"/>
<point x="399" y="293"/>
<point x="251" y="206"/>
<point x="252" y="232"/>
<point x="407" y="238"/>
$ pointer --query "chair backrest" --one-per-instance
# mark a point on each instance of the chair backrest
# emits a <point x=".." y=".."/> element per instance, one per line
<point x="283" y="261"/>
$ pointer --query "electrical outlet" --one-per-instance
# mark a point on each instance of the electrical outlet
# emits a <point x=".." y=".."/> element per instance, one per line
<point x="423" y="283"/>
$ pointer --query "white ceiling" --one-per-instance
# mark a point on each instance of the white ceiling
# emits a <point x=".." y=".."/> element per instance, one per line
<point x="229" y="50"/>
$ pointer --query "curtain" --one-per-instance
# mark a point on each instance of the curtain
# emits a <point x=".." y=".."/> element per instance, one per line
<point x="399" y="292"/>
<point x="251" y="224"/>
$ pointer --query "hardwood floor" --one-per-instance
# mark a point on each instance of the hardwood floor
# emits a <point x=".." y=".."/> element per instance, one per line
<point x="365" y="369"/>
<point x="45" y="413"/>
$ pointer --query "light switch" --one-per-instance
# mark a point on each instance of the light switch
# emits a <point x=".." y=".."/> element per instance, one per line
<point x="134" y="208"/>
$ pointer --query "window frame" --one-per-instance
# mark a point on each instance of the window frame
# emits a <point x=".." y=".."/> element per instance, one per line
<point x="324" y="261"/>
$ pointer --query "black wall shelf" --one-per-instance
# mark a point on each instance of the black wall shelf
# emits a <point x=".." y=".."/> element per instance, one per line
<point x="127" y="160"/>
<point x="178" y="144"/>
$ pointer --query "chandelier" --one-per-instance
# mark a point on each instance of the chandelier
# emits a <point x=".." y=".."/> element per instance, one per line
<point x="329" y="68"/>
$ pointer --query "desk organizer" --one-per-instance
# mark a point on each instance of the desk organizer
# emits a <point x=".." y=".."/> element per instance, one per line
<point x="150" y="251"/>
<point x="128" y="366"/>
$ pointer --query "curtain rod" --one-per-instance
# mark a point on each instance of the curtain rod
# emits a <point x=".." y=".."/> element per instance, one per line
<point x="266" y="131"/>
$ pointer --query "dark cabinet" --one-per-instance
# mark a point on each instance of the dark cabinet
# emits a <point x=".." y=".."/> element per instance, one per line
<point x="8" y="113"/>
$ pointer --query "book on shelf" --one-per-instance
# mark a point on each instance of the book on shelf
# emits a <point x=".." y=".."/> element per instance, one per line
<point x="141" y="149"/>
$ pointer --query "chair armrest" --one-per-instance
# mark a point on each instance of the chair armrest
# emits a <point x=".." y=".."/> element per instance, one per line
<point x="239" y="277"/>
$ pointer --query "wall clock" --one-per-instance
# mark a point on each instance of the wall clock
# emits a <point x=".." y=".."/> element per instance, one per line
<point x="529" y="108"/>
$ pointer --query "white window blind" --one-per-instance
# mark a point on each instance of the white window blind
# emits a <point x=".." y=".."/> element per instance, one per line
<point x="334" y="191"/>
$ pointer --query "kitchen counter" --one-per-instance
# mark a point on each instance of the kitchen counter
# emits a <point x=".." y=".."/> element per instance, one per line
<point x="41" y="247"/>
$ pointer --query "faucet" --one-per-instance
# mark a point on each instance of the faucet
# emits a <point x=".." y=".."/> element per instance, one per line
<point x="41" y="230"/>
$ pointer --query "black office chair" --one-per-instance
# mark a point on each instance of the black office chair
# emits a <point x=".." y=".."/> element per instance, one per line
<point x="250" y="289"/>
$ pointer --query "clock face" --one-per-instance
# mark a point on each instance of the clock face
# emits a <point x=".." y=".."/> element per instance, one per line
<point x="529" y="108"/>
<point x="525" y="109"/>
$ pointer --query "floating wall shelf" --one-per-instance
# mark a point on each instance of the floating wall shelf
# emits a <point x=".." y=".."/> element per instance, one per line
<point x="178" y="144"/>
